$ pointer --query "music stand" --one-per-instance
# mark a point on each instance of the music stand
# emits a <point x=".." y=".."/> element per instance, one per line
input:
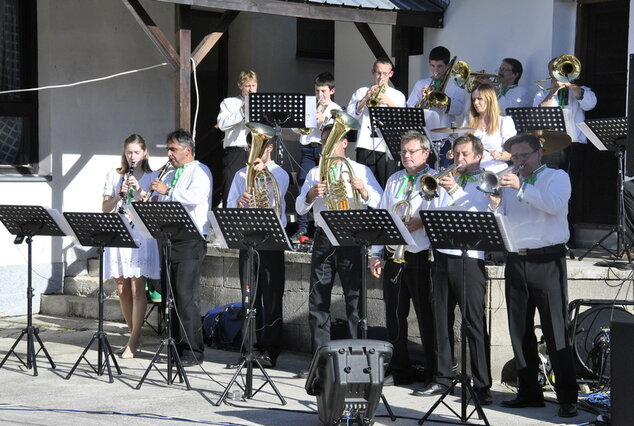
<point x="391" y="123"/>
<point x="166" y="221"/>
<point x="26" y="222"/>
<point x="609" y="134"/>
<point x="464" y="230"/>
<point x="366" y="228"/>
<point x="537" y="118"/>
<point x="249" y="229"/>
<point x="100" y="230"/>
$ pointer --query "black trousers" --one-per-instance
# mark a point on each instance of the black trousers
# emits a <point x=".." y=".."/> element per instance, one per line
<point x="269" y="290"/>
<point x="186" y="262"/>
<point x="540" y="282"/>
<point x="233" y="160"/>
<point x="378" y="163"/>
<point x="447" y="284"/>
<point x="325" y="262"/>
<point x="402" y="283"/>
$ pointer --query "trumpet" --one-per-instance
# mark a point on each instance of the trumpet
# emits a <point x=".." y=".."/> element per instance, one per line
<point x="565" y="69"/>
<point x="373" y="100"/>
<point x="429" y="182"/>
<point x="164" y="170"/>
<point x="404" y="209"/>
<point x="489" y="182"/>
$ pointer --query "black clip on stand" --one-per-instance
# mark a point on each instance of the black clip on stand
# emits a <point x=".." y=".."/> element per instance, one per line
<point x="365" y="228"/>
<point x="100" y="230"/>
<point x="166" y="221"/>
<point x="26" y="222"/>
<point x="249" y="229"/>
<point x="392" y="123"/>
<point x="610" y="134"/>
<point x="464" y="230"/>
<point x="278" y="110"/>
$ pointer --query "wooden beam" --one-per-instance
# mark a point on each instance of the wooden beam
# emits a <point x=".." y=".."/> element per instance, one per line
<point x="431" y="19"/>
<point x="183" y="82"/>
<point x="153" y="31"/>
<point x="210" y="40"/>
<point x="373" y="43"/>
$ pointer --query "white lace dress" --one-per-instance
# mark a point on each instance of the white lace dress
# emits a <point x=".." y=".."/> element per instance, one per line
<point x="128" y="262"/>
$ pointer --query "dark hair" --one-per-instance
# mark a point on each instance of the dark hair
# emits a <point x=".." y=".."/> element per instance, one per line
<point x="383" y="60"/>
<point x="183" y="137"/>
<point x="516" y="68"/>
<point x="145" y="163"/>
<point x="528" y="138"/>
<point x="476" y="143"/>
<point x="325" y="79"/>
<point x="440" y="53"/>
<point x="414" y="134"/>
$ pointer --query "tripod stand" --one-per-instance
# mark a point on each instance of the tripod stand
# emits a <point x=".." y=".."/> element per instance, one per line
<point x="261" y="229"/>
<point x="26" y="222"/>
<point x="100" y="230"/>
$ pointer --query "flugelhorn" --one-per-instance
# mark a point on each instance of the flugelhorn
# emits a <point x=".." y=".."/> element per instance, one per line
<point x="429" y="182"/>
<point x="404" y="210"/>
<point x="489" y="182"/>
<point x="164" y="170"/>
<point x="259" y="182"/>
<point x="565" y="69"/>
<point x="336" y="192"/>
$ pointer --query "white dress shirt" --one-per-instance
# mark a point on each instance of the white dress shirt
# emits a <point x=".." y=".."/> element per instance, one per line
<point x="538" y="213"/>
<point x="238" y="187"/>
<point x="319" y="204"/>
<point x="514" y="97"/>
<point x="576" y="108"/>
<point x="315" y="135"/>
<point x="231" y="120"/>
<point x="494" y="142"/>
<point x="364" y="135"/>
<point x="445" y="117"/>
<point x="193" y="191"/>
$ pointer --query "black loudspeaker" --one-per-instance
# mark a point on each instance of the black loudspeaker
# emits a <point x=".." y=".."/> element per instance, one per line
<point x="622" y="371"/>
<point x="346" y="376"/>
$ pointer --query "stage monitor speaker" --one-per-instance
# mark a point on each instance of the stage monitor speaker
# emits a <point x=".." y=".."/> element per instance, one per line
<point x="347" y="376"/>
<point x="622" y="374"/>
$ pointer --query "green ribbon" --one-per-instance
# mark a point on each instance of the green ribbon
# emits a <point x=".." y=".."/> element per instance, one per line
<point x="506" y="89"/>
<point x="408" y="181"/>
<point x="532" y="178"/>
<point x="463" y="178"/>
<point x="563" y="97"/>
<point x="177" y="176"/>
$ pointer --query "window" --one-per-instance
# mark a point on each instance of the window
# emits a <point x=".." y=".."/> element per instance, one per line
<point x="18" y="70"/>
<point x="315" y="39"/>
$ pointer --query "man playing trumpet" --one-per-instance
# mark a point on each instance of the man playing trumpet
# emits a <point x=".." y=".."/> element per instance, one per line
<point x="408" y="278"/>
<point x="447" y="280"/>
<point x="371" y="151"/>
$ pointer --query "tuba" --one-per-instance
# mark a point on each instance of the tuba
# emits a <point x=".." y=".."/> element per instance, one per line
<point x="404" y="209"/>
<point x="489" y="182"/>
<point x="259" y="182"/>
<point x="336" y="192"/>
<point x="565" y="69"/>
<point x="429" y="182"/>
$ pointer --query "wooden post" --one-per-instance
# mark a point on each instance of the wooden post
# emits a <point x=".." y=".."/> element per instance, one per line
<point x="183" y="82"/>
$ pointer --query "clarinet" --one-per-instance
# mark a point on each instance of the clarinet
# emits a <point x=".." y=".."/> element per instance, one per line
<point x="123" y="194"/>
<point x="164" y="170"/>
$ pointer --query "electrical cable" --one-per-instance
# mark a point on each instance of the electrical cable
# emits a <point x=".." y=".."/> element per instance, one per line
<point x="194" y="73"/>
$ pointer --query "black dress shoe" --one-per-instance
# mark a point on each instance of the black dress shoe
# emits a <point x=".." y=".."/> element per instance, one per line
<point x="521" y="402"/>
<point x="266" y="361"/>
<point x="484" y="396"/>
<point x="432" y="389"/>
<point x="190" y="362"/>
<point x="235" y="364"/>
<point x="567" y="410"/>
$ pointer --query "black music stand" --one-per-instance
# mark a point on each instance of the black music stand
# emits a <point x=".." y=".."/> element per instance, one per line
<point x="537" y="118"/>
<point x="26" y="222"/>
<point x="166" y="221"/>
<point x="100" y="230"/>
<point x="610" y="134"/>
<point x="249" y="229"/>
<point x="391" y="123"/>
<point x="365" y="228"/>
<point x="464" y="230"/>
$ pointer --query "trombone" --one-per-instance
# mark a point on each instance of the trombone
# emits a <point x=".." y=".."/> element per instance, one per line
<point x="470" y="80"/>
<point x="438" y="98"/>
<point x="564" y="68"/>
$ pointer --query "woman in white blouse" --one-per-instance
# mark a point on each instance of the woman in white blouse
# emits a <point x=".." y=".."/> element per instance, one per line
<point x="490" y="126"/>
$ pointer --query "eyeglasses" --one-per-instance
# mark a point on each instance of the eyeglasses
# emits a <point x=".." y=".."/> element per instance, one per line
<point x="522" y="156"/>
<point x="382" y="73"/>
<point x="505" y="69"/>
<point x="405" y="152"/>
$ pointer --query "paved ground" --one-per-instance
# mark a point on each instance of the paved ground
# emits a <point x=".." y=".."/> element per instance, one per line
<point x="49" y="399"/>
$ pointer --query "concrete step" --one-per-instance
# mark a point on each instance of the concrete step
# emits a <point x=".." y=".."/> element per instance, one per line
<point x="86" y="285"/>
<point x="80" y="306"/>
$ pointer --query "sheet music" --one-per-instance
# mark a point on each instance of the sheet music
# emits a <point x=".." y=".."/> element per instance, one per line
<point x="61" y="222"/>
<point x="505" y="230"/>
<point x="570" y="125"/>
<point x="310" y="112"/>
<point x="220" y="239"/>
<point x="592" y="137"/>
<point x="139" y="226"/>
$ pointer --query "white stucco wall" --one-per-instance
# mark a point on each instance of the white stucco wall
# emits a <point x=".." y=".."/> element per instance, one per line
<point x="82" y="128"/>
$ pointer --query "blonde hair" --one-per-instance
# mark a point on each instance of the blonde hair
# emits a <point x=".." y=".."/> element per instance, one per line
<point x="492" y="111"/>
<point x="246" y="76"/>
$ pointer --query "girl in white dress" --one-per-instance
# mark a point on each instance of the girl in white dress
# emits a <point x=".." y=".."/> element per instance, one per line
<point x="492" y="128"/>
<point x="131" y="267"/>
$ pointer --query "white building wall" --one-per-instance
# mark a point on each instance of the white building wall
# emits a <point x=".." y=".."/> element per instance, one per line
<point x="82" y="128"/>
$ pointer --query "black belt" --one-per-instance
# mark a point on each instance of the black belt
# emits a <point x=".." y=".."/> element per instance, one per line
<point x="556" y="249"/>
<point x="236" y="148"/>
<point x="313" y="144"/>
